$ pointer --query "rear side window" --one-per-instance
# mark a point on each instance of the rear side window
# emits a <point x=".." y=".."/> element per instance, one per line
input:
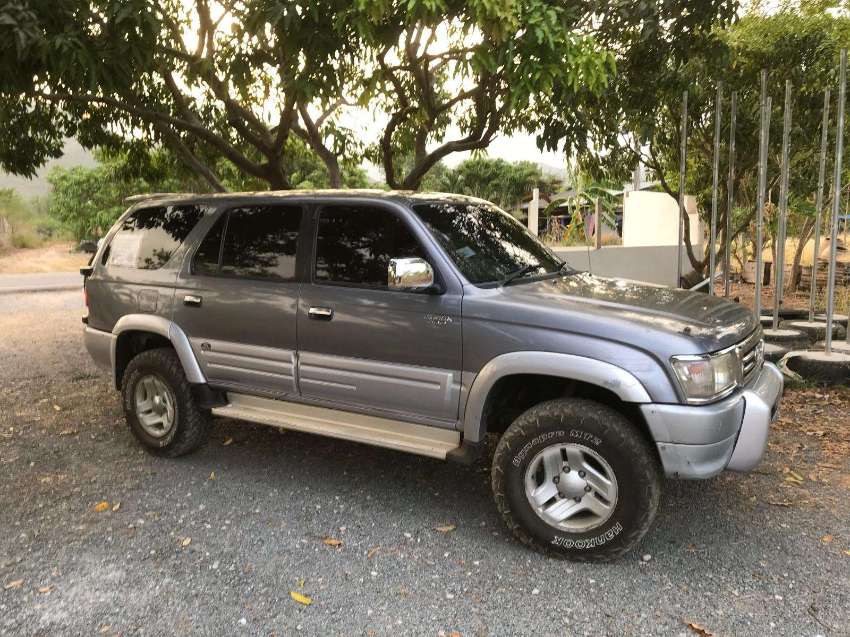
<point x="255" y="242"/>
<point x="354" y="245"/>
<point x="148" y="237"/>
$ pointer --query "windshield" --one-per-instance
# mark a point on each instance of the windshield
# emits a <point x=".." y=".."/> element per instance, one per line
<point x="487" y="244"/>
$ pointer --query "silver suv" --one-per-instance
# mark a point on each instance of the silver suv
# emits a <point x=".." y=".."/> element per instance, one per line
<point x="423" y="323"/>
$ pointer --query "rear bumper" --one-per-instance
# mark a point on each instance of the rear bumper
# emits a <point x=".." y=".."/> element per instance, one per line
<point x="701" y="441"/>
<point x="100" y="346"/>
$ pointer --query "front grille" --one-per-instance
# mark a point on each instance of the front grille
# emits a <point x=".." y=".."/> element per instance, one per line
<point x="751" y="352"/>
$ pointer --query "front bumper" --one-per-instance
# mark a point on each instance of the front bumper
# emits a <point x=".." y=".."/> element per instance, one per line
<point x="701" y="441"/>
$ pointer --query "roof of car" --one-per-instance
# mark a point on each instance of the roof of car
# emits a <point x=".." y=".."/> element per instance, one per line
<point x="407" y="196"/>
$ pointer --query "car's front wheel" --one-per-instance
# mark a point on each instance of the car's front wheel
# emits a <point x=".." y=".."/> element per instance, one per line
<point x="159" y="407"/>
<point x="575" y="478"/>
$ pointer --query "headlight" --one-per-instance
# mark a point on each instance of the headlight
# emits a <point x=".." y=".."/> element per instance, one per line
<point x="707" y="377"/>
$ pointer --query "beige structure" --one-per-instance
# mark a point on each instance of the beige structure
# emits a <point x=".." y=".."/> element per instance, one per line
<point x="652" y="219"/>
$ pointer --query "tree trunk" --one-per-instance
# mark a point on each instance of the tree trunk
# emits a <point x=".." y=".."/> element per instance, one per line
<point x="334" y="172"/>
<point x="277" y="178"/>
<point x="805" y="234"/>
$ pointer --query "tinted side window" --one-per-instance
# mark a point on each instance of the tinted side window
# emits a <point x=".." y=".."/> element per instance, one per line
<point x="354" y="245"/>
<point x="261" y="242"/>
<point x="149" y="236"/>
<point x="207" y="256"/>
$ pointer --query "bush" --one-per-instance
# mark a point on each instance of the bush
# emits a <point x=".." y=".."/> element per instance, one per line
<point x="30" y="223"/>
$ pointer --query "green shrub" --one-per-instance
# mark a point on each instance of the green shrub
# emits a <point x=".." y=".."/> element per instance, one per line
<point x="31" y="225"/>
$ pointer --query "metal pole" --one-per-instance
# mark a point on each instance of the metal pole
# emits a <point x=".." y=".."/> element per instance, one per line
<point x="782" y="231"/>
<point x="597" y="222"/>
<point x="836" y="199"/>
<point x="730" y="196"/>
<point x="824" y="138"/>
<point x="683" y="156"/>
<point x="712" y="251"/>
<point x="764" y="136"/>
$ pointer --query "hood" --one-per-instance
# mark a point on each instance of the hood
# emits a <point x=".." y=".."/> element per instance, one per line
<point x="624" y="310"/>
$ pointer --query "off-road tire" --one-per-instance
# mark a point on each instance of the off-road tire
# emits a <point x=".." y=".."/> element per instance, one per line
<point x="192" y="424"/>
<point x="607" y="432"/>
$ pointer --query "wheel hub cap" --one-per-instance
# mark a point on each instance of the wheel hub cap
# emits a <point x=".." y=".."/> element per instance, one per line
<point x="571" y="487"/>
<point x="154" y="405"/>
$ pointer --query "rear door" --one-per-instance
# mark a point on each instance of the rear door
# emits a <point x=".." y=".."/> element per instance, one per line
<point x="237" y="295"/>
<point x="136" y="271"/>
<point x="365" y="347"/>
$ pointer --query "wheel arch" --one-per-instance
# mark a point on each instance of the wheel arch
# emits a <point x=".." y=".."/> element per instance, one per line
<point x="607" y="378"/>
<point x="136" y="333"/>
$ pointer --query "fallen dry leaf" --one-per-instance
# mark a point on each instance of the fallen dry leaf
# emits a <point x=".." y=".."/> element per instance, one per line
<point x="445" y="529"/>
<point x="100" y="507"/>
<point x="301" y="599"/>
<point x="68" y="432"/>
<point x="57" y="408"/>
<point x="186" y="542"/>
<point x="13" y="584"/>
<point x="826" y="539"/>
<point x="780" y="503"/>
<point x="115" y="507"/>
<point x="212" y="475"/>
<point x="45" y="589"/>
<point x="227" y="441"/>
<point x="699" y="629"/>
<point x="372" y="552"/>
<point x="846" y="551"/>
<point x="330" y="541"/>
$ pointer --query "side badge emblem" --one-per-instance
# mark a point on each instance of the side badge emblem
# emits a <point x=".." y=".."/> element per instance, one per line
<point x="438" y="320"/>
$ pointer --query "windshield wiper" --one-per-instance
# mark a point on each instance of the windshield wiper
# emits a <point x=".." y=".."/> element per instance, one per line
<point x="526" y="269"/>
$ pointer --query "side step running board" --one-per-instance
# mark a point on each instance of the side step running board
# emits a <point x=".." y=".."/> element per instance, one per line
<point x="381" y="432"/>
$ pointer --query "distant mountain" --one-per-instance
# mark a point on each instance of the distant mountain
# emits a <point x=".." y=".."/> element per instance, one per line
<point x="73" y="155"/>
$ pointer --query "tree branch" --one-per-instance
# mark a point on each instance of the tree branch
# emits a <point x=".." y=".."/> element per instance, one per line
<point x="190" y="159"/>
<point x="152" y="116"/>
<point x="312" y="135"/>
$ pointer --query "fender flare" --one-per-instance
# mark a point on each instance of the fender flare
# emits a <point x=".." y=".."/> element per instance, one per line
<point x="168" y="329"/>
<point x="590" y="370"/>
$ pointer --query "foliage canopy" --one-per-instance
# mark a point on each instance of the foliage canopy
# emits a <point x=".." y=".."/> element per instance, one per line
<point x="240" y="79"/>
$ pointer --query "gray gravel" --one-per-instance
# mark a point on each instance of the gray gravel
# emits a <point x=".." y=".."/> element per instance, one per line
<point x="188" y="554"/>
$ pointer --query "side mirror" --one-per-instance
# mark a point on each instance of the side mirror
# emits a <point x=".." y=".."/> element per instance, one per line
<point x="410" y="274"/>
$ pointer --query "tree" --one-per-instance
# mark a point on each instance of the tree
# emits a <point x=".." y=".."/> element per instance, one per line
<point x="504" y="183"/>
<point x="799" y="43"/>
<point x="87" y="201"/>
<point x="239" y="79"/>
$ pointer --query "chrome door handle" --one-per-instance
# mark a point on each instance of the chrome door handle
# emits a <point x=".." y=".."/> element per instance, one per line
<point x="320" y="313"/>
<point x="193" y="300"/>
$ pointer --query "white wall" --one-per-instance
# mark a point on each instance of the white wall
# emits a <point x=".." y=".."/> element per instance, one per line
<point x="652" y="264"/>
<point x="652" y="219"/>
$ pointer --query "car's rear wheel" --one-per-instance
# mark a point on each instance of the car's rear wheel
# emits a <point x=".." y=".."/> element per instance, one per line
<point x="158" y="404"/>
<point x="575" y="478"/>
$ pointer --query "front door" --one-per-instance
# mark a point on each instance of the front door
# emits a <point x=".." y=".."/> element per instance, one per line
<point x="364" y="346"/>
<point x="236" y="299"/>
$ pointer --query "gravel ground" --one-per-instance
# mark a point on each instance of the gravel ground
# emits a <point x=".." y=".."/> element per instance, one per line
<point x="214" y="543"/>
